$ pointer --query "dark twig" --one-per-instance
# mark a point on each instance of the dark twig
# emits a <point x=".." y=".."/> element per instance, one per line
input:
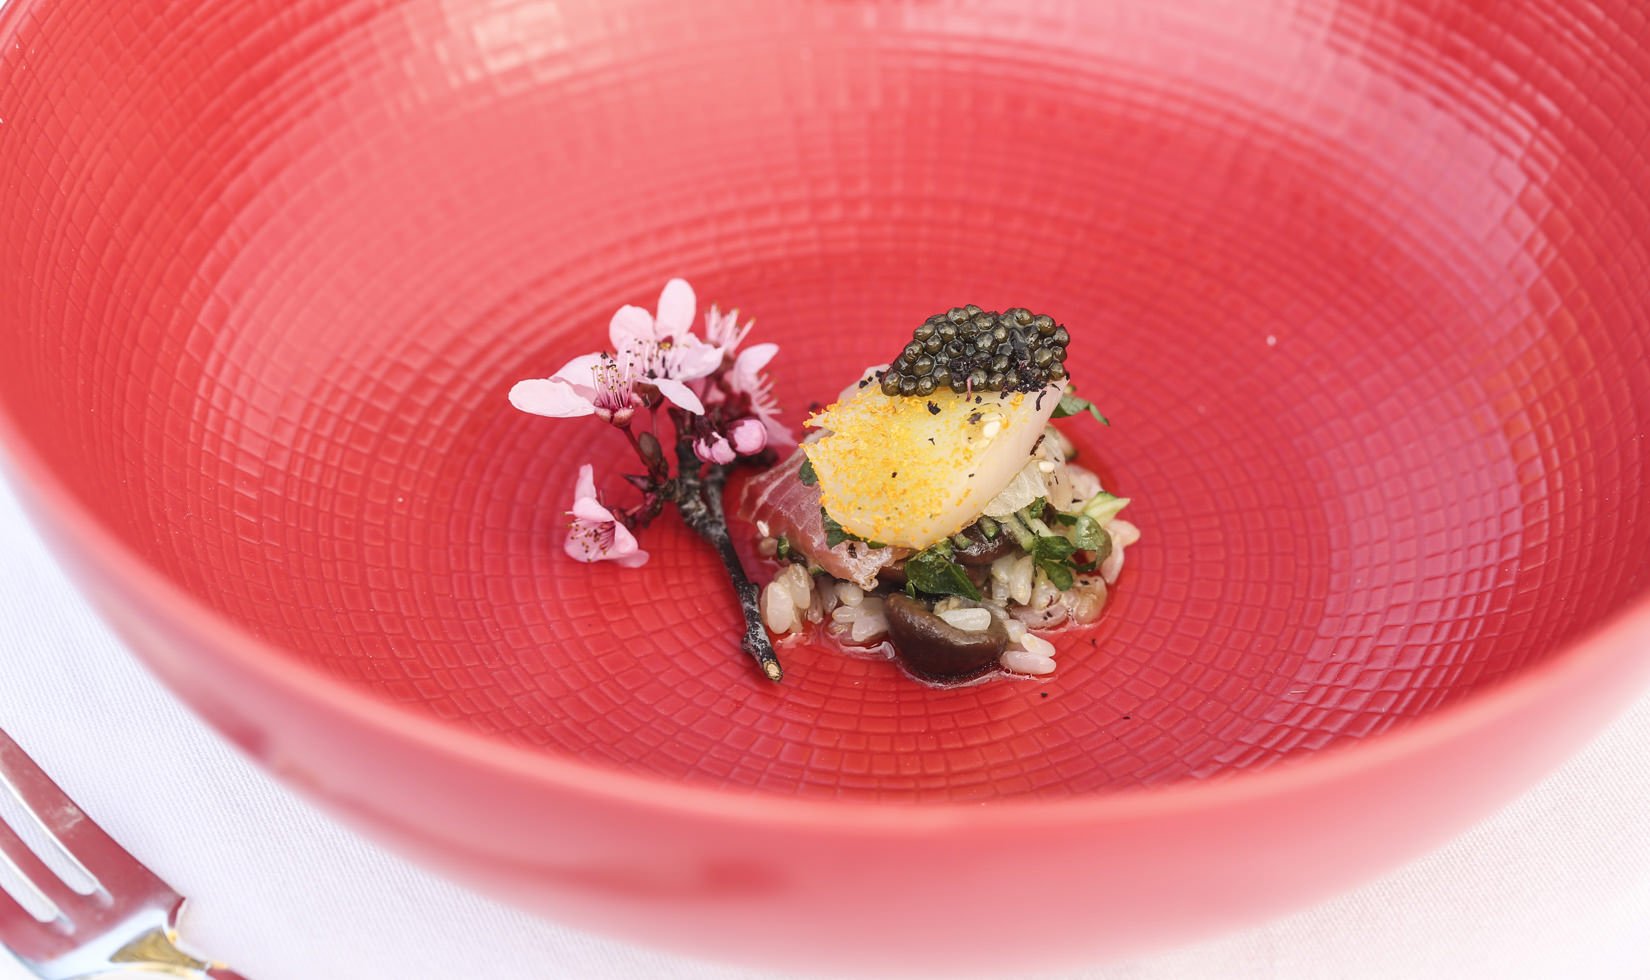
<point x="698" y="496"/>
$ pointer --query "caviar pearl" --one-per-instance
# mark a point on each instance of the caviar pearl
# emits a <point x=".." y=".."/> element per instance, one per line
<point x="970" y="349"/>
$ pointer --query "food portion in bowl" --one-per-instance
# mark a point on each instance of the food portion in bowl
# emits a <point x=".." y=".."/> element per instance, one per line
<point x="935" y="515"/>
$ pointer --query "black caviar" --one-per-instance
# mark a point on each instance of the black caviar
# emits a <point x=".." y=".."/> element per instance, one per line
<point x="970" y="349"/>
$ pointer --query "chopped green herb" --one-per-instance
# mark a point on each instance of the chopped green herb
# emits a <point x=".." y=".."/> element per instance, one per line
<point x="1023" y="536"/>
<point x="782" y="549"/>
<point x="1071" y="404"/>
<point x="989" y="528"/>
<point x="932" y="571"/>
<point x="806" y="474"/>
<point x="1102" y="547"/>
<point x="1031" y="515"/>
<point x="834" y="534"/>
<point x="1022" y="533"/>
<point x="1059" y="573"/>
<point x="1053" y="548"/>
<point x="1103" y="507"/>
<point x="1053" y="556"/>
<point x="1085" y="532"/>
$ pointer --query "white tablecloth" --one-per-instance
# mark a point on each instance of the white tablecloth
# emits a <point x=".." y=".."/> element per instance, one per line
<point x="1556" y="885"/>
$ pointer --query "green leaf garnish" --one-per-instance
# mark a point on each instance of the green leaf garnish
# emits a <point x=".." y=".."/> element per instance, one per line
<point x="1103" y="506"/>
<point x="1071" y="404"/>
<point x="932" y="571"/>
<point x="806" y="474"/>
<point x="1059" y="573"/>
<point x="1052" y="549"/>
<point x="834" y="534"/>
<point x="1053" y="556"/>
<point x="1085" y="532"/>
<point x="782" y="548"/>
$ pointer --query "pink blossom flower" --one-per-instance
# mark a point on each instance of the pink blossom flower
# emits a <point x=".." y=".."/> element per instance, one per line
<point x="746" y="378"/>
<point x="746" y="437"/>
<point x="662" y="348"/>
<point x="749" y="436"/>
<point x="714" y="448"/>
<point x="597" y="535"/>
<point x="592" y="384"/>
<point x="723" y="329"/>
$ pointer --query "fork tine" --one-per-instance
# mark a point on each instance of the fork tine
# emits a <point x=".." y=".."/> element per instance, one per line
<point x="27" y="937"/>
<point x="27" y="865"/>
<point x="83" y="839"/>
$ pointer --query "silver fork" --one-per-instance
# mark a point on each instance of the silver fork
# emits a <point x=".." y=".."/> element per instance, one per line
<point x="125" y="925"/>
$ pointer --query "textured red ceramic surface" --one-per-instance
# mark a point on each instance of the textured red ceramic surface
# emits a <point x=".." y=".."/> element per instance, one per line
<point x="1365" y="288"/>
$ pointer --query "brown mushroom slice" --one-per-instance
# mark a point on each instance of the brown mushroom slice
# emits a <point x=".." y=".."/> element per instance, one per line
<point x="976" y="549"/>
<point x="932" y="648"/>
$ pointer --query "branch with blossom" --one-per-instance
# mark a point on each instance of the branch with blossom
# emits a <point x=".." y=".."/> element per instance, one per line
<point x="721" y="411"/>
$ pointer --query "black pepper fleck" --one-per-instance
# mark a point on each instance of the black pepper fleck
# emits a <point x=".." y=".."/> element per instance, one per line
<point x="933" y="409"/>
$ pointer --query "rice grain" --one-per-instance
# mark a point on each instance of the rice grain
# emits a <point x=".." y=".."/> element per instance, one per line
<point x="1034" y="644"/>
<point x="798" y="583"/>
<point x="968" y="620"/>
<point x="1023" y="662"/>
<point x="777" y="609"/>
<point x="1021" y="580"/>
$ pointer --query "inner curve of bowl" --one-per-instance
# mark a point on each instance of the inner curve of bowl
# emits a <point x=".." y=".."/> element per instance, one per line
<point x="1371" y="328"/>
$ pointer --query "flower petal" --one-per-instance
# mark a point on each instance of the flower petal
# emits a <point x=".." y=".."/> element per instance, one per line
<point x="694" y="359"/>
<point x="584" y="540"/>
<point x="635" y="559"/>
<point x="585" y="488"/>
<point x="754" y="358"/>
<point x="550" y="397"/>
<point x="624" y="549"/>
<point x="778" y="433"/>
<point x="716" y="449"/>
<point x="676" y="305"/>
<point x="679" y="394"/>
<point x="580" y="544"/>
<point x="749" y="436"/>
<point x="629" y="325"/>
<point x="590" y="509"/>
<point x="579" y="371"/>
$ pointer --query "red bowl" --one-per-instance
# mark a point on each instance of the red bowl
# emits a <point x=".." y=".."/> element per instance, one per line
<point x="1364" y="286"/>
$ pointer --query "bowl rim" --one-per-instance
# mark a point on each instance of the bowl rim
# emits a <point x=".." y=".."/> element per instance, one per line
<point x="212" y="630"/>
